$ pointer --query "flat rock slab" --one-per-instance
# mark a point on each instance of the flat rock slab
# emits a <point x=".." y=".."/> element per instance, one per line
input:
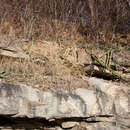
<point x="103" y="102"/>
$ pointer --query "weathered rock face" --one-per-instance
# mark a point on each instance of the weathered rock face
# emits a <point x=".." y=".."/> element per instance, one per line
<point x="104" y="106"/>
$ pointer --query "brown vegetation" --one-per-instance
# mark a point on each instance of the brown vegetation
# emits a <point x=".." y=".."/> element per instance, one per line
<point x="70" y="25"/>
<point x="61" y="19"/>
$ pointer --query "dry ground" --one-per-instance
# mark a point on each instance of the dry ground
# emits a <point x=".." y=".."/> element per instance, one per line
<point x="56" y="65"/>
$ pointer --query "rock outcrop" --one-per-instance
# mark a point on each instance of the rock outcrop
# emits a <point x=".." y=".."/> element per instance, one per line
<point x="104" y="106"/>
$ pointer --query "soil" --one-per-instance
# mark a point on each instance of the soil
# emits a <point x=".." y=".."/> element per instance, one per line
<point x="55" y="67"/>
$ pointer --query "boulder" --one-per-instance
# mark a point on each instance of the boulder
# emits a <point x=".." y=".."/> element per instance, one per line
<point x="103" y="105"/>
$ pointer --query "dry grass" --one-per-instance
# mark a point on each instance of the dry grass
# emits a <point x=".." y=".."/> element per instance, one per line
<point x="31" y="19"/>
<point x="62" y="68"/>
<point x="38" y="73"/>
<point x="63" y="20"/>
<point x="68" y="24"/>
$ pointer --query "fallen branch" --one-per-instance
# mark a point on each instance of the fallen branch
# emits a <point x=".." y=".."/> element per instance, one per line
<point x="104" y="66"/>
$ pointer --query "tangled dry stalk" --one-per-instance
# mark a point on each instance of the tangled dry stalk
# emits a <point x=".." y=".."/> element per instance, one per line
<point x="70" y="25"/>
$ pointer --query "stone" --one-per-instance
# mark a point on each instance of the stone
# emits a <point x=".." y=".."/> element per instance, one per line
<point x="89" y="99"/>
<point x="69" y="124"/>
<point x="103" y="105"/>
<point x="13" y="54"/>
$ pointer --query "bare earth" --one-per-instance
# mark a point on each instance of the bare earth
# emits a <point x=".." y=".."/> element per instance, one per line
<point x="55" y="66"/>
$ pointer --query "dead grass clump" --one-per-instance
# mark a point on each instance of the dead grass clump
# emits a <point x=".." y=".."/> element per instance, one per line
<point x="26" y="72"/>
<point x="31" y="19"/>
<point x="64" y="19"/>
<point x="65" y="23"/>
<point x="107" y="16"/>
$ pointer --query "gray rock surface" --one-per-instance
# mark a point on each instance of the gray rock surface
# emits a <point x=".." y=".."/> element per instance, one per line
<point x="104" y="106"/>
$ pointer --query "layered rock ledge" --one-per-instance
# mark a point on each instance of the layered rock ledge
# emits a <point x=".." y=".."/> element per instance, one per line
<point x="102" y="106"/>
